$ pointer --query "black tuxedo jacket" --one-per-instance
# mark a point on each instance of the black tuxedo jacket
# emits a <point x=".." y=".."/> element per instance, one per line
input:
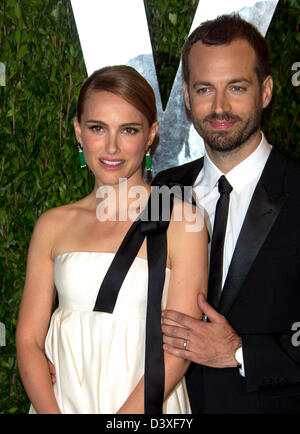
<point x="260" y="299"/>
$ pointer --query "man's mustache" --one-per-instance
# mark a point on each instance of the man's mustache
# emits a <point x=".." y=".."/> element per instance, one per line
<point x="223" y="117"/>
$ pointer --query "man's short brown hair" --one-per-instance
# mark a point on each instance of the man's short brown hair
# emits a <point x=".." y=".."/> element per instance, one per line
<point x="222" y="31"/>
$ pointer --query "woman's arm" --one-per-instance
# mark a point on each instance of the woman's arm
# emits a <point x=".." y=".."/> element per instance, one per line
<point x="187" y="253"/>
<point x="34" y="316"/>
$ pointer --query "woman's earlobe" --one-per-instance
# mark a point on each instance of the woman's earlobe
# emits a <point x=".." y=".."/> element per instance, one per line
<point x="152" y="135"/>
<point x="77" y="130"/>
<point x="155" y="128"/>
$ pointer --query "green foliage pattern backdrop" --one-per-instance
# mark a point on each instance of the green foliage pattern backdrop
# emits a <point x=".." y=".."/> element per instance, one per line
<point x="39" y="163"/>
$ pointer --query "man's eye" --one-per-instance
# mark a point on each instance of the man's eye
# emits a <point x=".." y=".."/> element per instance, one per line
<point x="203" y="90"/>
<point x="237" y="88"/>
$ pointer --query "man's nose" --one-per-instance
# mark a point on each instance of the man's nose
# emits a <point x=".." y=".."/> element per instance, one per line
<point x="221" y="103"/>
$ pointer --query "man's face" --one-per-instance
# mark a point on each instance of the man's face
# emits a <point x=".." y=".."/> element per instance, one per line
<point x="224" y="95"/>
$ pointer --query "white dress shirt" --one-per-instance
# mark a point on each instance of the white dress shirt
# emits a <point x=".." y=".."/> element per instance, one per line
<point x="243" y="178"/>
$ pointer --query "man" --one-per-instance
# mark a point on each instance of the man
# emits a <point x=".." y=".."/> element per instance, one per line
<point x="245" y="360"/>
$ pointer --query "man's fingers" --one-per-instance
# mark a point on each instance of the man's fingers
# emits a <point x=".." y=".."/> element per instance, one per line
<point x="52" y="371"/>
<point x="177" y="332"/>
<point x="51" y="368"/>
<point x="182" y="319"/>
<point x="174" y="342"/>
<point x="181" y="344"/>
<point x="183" y="354"/>
<point x="207" y="309"/>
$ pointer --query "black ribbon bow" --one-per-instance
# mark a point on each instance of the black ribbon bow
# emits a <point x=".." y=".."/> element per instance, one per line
<point x="155" y="231"/>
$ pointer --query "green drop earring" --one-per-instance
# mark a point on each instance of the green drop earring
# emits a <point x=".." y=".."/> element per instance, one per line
<point x="81" y="156"/>
<point x="148" y="159"/>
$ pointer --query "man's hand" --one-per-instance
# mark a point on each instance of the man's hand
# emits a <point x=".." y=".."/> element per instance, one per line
<point x="210" y="343"/>
<point x="52" y="371"/>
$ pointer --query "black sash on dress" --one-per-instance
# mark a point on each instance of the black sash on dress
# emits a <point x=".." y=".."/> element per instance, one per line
<point x="156" y="233"/>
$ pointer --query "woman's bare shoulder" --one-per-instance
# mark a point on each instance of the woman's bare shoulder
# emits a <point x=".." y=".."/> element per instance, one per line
<point x="187" y="234"/>
<point x="186" y="216"/>
<point x="56" y="220"/>
<point x="52" y="217"/>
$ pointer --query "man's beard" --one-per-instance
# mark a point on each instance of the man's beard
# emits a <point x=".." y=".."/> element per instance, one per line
<point x="227" y="140"/>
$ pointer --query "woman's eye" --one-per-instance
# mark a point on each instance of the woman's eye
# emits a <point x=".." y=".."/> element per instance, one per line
<point x="130" y="131"/>
<point x="96" y="128"/>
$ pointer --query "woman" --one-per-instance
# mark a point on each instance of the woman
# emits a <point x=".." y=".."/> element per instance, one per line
<point x="99" y="356"/>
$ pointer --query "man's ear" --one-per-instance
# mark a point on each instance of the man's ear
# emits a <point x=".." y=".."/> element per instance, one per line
<point x="186" y="95"/>
<point x="77" y="130"/>
<point x="266" y="91"/>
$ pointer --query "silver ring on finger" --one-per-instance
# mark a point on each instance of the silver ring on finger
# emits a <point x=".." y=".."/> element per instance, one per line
<point x="184" y="344"/>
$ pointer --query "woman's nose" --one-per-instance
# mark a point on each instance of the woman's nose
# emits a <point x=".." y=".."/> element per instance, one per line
<point x="112" y="146"/>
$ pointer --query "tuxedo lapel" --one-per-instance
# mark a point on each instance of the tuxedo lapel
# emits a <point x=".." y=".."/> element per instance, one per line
<point x="266" y="203"/>
<point x="184" y="175"/>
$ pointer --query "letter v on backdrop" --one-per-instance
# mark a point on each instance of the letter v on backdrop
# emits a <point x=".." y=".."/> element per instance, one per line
<point x="114" y="32"/>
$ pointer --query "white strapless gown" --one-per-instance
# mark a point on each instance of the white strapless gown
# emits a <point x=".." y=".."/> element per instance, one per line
<point x="99" y="357"/>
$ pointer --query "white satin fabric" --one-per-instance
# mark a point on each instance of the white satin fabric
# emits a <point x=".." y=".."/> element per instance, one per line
<point x="99" y="357"/>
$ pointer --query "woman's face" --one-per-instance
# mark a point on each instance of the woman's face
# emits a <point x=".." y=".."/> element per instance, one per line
<point x="114" y="136"/>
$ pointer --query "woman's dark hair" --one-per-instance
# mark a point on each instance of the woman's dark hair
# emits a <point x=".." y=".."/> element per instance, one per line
<point x="125" y="82"/>
<point x="222" y="31"/>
